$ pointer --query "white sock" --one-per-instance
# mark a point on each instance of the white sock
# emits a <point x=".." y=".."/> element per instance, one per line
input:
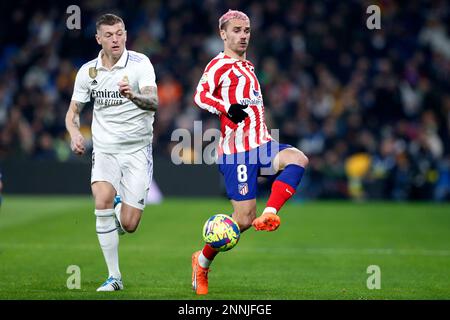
<point x="109" y="240"/>
<point x="117" y="211"/>
<point x="203" y="261"/>
<point x="270" y="210"/>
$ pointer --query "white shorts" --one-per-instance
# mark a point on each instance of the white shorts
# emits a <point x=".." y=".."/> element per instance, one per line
<point x="129" y="173"/>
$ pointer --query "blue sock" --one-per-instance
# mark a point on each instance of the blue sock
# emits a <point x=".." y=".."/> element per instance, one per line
<point x="291" y="175"/>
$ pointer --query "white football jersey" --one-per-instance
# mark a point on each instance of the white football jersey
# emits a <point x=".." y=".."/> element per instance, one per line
<point x="118" y="125"/>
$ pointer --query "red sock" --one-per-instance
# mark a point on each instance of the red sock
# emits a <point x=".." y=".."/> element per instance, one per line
<point x="281" y="192"/>
<point x="209" y="252"/>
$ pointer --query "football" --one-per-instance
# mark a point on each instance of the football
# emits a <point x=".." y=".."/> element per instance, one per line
<point x="221" y="232"/>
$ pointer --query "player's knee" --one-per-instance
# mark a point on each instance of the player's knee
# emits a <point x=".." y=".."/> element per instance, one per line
<point x="295" y="157"/>
<point x="299" y="158"/>
<point x="302" y="159"/>
<point x="103" y="204"/>
<point x="130" y="226"/>
<point x="103" y="195"/>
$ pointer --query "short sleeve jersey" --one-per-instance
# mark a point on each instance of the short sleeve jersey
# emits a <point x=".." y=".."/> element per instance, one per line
<point x="118" y="125"/>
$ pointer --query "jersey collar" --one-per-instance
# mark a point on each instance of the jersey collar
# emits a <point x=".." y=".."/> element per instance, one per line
<point x="121" y="63"/>
<point x="244" y="62"/>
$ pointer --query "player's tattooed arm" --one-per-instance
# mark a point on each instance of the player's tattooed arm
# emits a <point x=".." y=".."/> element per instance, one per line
<point x="73" y="127"/>
<point x="76" y="115"/>
<point x="147" y="99"/>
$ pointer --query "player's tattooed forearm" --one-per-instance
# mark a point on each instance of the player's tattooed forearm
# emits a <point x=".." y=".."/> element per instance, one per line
<point x="79" y="106"/>
<point x="147" y="99"/>
<point x="76" y="121"/>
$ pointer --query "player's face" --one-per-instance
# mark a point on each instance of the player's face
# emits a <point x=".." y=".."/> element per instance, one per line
<point x="236" y="35"/>
<point x="112" y="39"/>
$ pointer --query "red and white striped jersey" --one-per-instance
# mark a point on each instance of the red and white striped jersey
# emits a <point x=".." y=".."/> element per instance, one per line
<point x="226" y="81"/>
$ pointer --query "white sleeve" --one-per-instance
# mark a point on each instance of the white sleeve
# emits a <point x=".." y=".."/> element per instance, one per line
<point x="81" y="89"/>
<point x="147" y="76"/>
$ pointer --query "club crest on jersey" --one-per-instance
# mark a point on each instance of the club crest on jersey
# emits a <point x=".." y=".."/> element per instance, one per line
<point x="243" y="188"/>
<point x="92" y="72"/>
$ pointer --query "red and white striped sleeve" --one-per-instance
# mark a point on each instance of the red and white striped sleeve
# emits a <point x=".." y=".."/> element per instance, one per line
<point x="205" y="95"/>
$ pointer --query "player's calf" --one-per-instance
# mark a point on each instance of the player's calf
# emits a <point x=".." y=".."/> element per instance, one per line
<point x="244" y="221"/>
<point x="130" y="218"/>
<point x="244" y="213"/>
<point x="109" y="240"/>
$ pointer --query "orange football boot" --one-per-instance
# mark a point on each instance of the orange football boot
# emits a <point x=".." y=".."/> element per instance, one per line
<point x="199" y="275"/>
<point x="267" y="222"/>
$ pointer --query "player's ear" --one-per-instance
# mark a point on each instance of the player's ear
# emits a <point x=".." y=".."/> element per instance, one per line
<point x="97" y="37"/>
<point x="223" y="35"/>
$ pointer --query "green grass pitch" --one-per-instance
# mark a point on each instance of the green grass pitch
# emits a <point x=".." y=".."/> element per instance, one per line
<point x="321" y="251"/>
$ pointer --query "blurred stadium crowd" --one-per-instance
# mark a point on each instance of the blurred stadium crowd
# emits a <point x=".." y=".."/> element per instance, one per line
<point x="371" y="108"/>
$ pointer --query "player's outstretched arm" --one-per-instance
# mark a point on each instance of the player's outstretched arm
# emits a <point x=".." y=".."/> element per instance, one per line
<point x="73" y="127"/>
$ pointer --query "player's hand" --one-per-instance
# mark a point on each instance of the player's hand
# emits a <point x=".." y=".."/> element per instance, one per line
<point x="236" y="113"/>
<point x="77" y="145"/>
<point x="125" y="89"/>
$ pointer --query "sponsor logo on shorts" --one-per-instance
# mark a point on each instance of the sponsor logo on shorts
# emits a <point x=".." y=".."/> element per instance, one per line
<point x="141" y="201"/>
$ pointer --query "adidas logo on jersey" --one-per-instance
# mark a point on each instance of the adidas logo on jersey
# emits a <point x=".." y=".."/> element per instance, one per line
<point x="94" y="83"/>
